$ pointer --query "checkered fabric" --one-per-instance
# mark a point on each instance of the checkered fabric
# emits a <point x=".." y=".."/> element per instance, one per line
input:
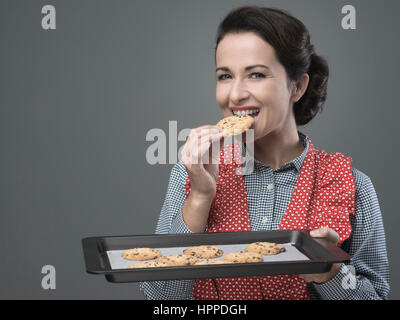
<point x="268" y="195"/>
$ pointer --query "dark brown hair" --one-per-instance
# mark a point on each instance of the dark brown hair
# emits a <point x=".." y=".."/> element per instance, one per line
<point x="291" y="42"/>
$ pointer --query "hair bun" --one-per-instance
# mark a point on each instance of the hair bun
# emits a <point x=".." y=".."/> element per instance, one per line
<point x="313" y="99"/>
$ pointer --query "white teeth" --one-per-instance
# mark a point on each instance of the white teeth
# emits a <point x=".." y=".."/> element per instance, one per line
<point x="245" y="112"/>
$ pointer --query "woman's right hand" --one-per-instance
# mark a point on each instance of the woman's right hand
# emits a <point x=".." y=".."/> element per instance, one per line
<point x="200" y="155"/>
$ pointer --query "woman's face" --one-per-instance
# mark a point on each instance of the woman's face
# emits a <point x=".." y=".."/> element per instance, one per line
<point x="250" y="76"/>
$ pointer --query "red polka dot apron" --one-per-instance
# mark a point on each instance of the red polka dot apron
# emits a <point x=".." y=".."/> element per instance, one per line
<point x="324" y="196"/>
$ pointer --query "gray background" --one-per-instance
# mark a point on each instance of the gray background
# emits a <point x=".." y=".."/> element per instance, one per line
<point x="76" y="104"/>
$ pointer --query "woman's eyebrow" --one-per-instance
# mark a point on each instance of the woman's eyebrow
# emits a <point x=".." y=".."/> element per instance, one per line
<point x="246" y="69"/>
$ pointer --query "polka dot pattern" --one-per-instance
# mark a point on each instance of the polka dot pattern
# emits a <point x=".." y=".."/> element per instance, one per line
<point x="324" y="195"/>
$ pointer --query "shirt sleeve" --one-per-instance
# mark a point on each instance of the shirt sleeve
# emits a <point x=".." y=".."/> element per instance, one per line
<point x="366" y="277"/>
<point x="170" y="221"/>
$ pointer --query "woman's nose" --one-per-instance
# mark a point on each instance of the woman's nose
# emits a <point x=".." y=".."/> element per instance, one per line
<point x="239" y="92"/>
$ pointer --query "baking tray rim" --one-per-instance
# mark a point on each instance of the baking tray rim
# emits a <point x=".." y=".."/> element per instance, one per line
<point x="339" y="255"/>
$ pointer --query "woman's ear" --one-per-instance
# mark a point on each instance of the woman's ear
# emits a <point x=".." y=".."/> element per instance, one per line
<point x="299" y="87"/>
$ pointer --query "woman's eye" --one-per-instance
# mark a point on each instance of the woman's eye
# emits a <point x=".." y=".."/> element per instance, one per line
<point x="223" y="76"/>
<point x="257" y="74"/>
<point x="254" y="75"/>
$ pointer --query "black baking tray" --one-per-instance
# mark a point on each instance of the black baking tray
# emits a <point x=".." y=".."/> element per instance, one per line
<point x="321" y="257"/>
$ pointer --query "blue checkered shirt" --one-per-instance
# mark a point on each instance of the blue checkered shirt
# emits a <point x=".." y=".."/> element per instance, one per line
<point x="268" y="195"/>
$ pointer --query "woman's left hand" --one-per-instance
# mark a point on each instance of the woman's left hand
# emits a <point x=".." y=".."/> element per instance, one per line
<point x="325" y="236"/>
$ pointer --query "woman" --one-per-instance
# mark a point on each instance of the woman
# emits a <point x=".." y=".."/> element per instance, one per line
<point x="265" y="62"/>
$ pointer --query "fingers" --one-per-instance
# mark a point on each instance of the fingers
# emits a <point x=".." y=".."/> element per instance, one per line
<point x="306" y="277"/>
<point x="326" y="233"/>
<point x="201" y="131"/>
<point x="197" y="147"/>
<point x="321" y="277"/>
<point x="317" y="277"/>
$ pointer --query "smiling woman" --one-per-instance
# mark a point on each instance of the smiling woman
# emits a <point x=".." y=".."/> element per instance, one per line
<point x="288" y="44"/>
<point x="267" y="67"/>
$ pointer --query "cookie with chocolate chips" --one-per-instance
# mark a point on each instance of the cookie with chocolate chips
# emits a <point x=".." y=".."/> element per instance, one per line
<point x="265" y="248"/>
<point x="243" y="257"/>
<point x="141" y="254"/>
<point x="177" y="260"/>
<point x="204" y="251"/>
<point x="234" y="125"/>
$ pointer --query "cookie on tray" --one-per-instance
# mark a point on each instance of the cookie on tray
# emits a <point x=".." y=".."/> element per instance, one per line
<point x="243" y="257"/>
<point x="207" y="262"/>
<point x="204" y="252"/>
<point x="234" y="125"/>
<point x="141" y="254"/>
<point x="265" y="248"/>
<point x="146" y="264"/>
<point x="177" y="260"/>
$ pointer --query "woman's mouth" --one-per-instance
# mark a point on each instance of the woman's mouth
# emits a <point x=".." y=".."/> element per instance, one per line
<point x="253" y="112"/>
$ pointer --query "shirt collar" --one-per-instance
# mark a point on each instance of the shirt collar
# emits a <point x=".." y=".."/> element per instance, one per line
<point x="296" y="162"/>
